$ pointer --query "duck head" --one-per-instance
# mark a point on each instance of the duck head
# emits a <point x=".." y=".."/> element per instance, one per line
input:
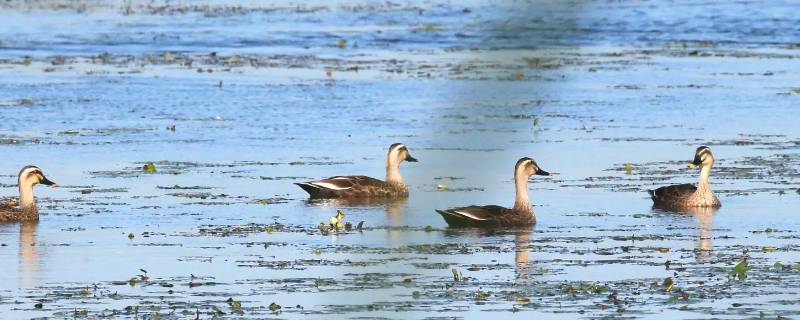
<point x="702" y="158"/>
<point x="30" y="176"/>
<point x="399" y="153"/>
<point x="528" y="167"/>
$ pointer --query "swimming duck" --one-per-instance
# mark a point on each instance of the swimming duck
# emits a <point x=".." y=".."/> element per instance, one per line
<point x="496" y="216"/>
<point x="688" y="195"/>
<point x="363" y="186"/>
<point x="29" y="176"/>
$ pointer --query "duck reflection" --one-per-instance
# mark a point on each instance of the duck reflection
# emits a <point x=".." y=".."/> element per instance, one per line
<point x="28" y="255"/>
<point x="521" y="247"/>
<point x="704" y="217"/>
<point x="522" y="241"/>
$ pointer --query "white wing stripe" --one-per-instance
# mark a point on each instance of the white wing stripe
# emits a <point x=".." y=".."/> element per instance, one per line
<point x="327" y="185"/>
<point x="468" y="215"/>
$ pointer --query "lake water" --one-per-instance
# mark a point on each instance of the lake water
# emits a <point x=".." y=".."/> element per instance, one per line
<point x="234" y="101"/>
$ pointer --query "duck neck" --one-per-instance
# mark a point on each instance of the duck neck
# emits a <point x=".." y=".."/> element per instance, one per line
<point x="703" y="186"/>
<point x="27" y="203"/>
<point x="521" y="202"/>
<point x="393" y="177"/>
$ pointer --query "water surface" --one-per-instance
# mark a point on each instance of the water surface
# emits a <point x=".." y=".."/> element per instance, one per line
<point x="235" y="101"/>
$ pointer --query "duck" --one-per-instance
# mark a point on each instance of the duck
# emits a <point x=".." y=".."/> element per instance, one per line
<point x="520" y="215"/>
<point x="688" y="195"/>
<point x="364" y="186"/>
<point x="28" y="177"/>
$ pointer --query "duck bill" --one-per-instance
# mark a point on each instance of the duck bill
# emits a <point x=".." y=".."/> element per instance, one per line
<point x="541" y="172"/>
<point x="409" y="158"/>
<point x="47" y="182"/>
<point x="694" y="164"/>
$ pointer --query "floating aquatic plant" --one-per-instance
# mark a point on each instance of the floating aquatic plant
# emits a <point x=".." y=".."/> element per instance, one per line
<point x="739" y="271"/>
<point x="149" y="167"/>
<point x="336" y="221"/>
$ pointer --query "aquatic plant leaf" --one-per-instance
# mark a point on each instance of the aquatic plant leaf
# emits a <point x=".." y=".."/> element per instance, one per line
<point x="667" y="284"/>
<point x="234" y="304"/>
<point x="149" y="167"/>
<point x="274" y="307"/>
<point x="324" y="228"/>
<point x="429" y="27"/>
<point x="739" y="271"/>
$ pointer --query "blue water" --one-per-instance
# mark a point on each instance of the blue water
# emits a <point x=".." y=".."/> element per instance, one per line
<point x="583" y="87"/>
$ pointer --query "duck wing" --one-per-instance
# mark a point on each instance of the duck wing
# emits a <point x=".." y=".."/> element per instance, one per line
<point x="342" y="186"/>
<point x="671" y="195"/>
<point x="8" y="213"/>
<point x="477" y="216"/>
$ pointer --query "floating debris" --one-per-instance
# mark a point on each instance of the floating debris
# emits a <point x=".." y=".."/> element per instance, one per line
<point x="149" y="167"/>
<point x="336" y="221"/>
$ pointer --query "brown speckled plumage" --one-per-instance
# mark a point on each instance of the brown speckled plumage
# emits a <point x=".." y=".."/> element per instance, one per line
<point x="486" y="216"/>
<point x="363" y="186"/>
<point x="521" y="215"/>
<point x="354" y="187"/>
<point x="9" y="214"/>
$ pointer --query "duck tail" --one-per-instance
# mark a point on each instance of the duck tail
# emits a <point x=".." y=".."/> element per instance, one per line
<point x="310" y="188"/>
<point x="453" y="218"/>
